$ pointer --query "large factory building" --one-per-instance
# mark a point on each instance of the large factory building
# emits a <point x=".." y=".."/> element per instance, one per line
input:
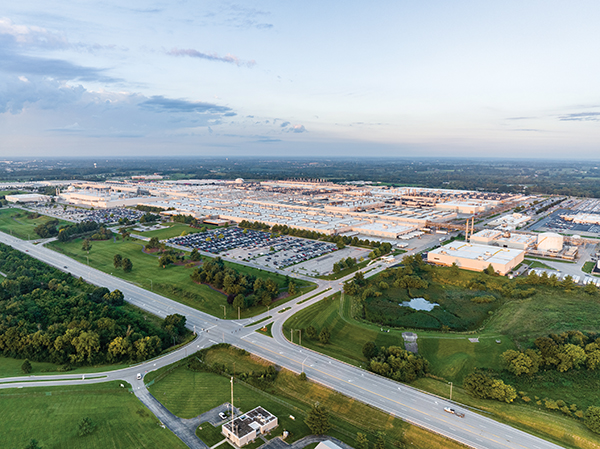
<point x="476" y="257"/>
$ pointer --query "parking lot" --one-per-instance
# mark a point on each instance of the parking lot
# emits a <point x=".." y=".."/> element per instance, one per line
<point x="77" y="214"/>
<point x="555" y="223"/>
<point x="217" y="241"/>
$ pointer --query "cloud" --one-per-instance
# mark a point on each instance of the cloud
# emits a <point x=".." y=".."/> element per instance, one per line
<point x="239" y="16"/>
<point x="75" y="127"/>
<point x="581" y="117"/>
<point x="32" y="35"/>
<point x="229" y="114"/>
<point x="284" y="124"/>
<point x="268" y="140"/>
<point x="298" y="129"/>
<point x="521" y="118"/>
<point x="228" y="58"/>
<point x="160" y="103"/>
<point x="23" y="65"/>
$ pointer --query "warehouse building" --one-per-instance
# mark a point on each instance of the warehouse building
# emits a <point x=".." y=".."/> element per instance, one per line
<point x="28" y="198"/>
<point x="476" y="257"/>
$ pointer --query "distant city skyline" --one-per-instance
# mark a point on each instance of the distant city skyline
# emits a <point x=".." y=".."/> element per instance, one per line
<point x="334" y="79"/>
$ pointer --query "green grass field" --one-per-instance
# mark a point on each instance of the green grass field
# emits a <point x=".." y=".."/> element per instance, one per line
<point x="51" y="415"/>
<point x="537" y="264"/>
<point x="10" y="367"/>
<point x="14" y="222"/>
<point x="188" y="393"/>
<point x="174" y="281"/>
<point x="588" y="267"/>
<point x="173" y="230"/>
<point x="452" y="355"/>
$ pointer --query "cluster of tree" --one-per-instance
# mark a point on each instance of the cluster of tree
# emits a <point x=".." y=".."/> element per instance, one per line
<point x="102" y="234"/>
<point x="47" y="229"/>
<point x="550" y="206"/>
<point x="120" y="262"/>
<point x="154" y="243"/>
<point x="343" y="264"/>
<point x="48" y="316"/>
<point x="482" y="385"/>
<point x="312" y="334"/>
<point x="149" y="218"/>
<point x="153" y="209"/>
<point x="72" y="231"/>
<point x="566" y="284"/>
<point x="237" y="286"/>
<point x="395" y="362"/>
<point x="188" y="219"/>
<point x="382" y="250"/>
<point x="317" y="420"/>
<point x="567" y="351"/>
<point x="169" y="256"/>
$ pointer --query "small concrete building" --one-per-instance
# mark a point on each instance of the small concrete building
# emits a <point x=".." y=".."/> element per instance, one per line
<point x="245" y="428"/>
<point x="477" y="257"/>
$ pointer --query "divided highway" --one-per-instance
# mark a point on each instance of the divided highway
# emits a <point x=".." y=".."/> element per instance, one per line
<point x="410" y="404"/>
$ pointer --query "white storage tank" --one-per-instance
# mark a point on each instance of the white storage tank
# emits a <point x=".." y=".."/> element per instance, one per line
<point x="550" y="241"/>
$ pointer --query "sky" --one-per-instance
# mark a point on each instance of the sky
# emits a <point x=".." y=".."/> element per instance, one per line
<point x="318" y="79"/>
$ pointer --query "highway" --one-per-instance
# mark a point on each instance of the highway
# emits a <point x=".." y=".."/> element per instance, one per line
<point x="400" y="400"/>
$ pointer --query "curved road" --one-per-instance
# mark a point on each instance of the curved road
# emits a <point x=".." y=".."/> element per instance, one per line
<point x="410" y="404"/>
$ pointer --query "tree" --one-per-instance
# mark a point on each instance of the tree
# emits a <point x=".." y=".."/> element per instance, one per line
<point x="117" y="260"/>
<point x="591" y="419"/>
<point x="591" y="289"/>
<point x="33" y="444"/>
<point x="195" y="255"/>
<point x="454" y="270"/>
<point x="361" y="441"/>
<point x="311" y="332"/>
<point x="26" y="366"/>
<point x="177" y="322"/>
<point x="85" y="427"/>
<point x="127" y="265"/>
<point x="86" y="245"/>
<point x="490" y="270"/>
<point x="239" y="301"/>
<point x="318" y="420"/>
<point x="380" y="441"/>
<point x="324" y="336"/>
<point x="481" y="385"/>
<point x="302" y="376"/>
<point x="369" y="350"/>
<point x="291" y="289"/>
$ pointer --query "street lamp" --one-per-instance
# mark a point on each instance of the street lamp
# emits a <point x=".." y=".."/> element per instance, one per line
<point x="150" y="284"/>
<point x="450" y="390"/>
<point x="303" y="363"/>
<point x="224" y="311"/>
<point x="300" y="335"/>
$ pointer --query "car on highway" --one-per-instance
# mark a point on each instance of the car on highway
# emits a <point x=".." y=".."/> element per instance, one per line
<point x="454" y="412"/>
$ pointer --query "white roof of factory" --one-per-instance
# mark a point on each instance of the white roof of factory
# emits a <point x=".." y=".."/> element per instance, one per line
<point x="491" y="254"/>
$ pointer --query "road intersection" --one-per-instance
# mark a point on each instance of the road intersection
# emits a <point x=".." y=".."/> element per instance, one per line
<point x="407" y="403"/>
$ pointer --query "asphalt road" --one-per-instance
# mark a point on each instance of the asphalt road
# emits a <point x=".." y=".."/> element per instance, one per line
<point x="398" y="399"/>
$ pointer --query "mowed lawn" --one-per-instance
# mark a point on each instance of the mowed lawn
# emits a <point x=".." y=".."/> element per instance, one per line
<point x="187" y="393"/>
<point x="173" y="282"/>
<point x="51" y="416"/>
<point x="172" y="230"/>
<point x="347" y="336"/>
<point x="549" y="311"/>
<point x="10" y="367"/>
<point x="454" y="357"/>
<point x="14" y="222"/>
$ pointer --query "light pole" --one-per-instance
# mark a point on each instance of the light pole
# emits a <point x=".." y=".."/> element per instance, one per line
<point x="292" y="334"/>
<point x="88" y="260"/>
<point x="238" y="313"/>
<point x="224" y="311"/>
<point x="150" y="284"/>
<point x="268" y="308"/>
<point x="450" y="390"/>
<point x="300" y="335"/>
<point x="303" y="363"/>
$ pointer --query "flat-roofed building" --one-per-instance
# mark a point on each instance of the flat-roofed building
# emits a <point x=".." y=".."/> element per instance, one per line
<point x="485" y="237"/>
<point x="476" y="257"/>
<point x="28" y="198"/>
<point x="247" y="427"/>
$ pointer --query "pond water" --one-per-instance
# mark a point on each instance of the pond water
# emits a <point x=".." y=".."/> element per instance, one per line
<point x="419" y="304"/>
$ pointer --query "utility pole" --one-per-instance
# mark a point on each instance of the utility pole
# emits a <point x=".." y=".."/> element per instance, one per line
<point x="238" y="313"/>
<point x="292" y="334"/>
<point x="232" y="409"/>
<point x="224" y="311"/>
<point x="300" y="335"/>
<point x="450" y="390"/>
<point x="150" y="284"/>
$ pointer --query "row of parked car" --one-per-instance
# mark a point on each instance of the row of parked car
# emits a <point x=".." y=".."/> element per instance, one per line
<point x="223" y="239"/>
<point x="301" y="250"/>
